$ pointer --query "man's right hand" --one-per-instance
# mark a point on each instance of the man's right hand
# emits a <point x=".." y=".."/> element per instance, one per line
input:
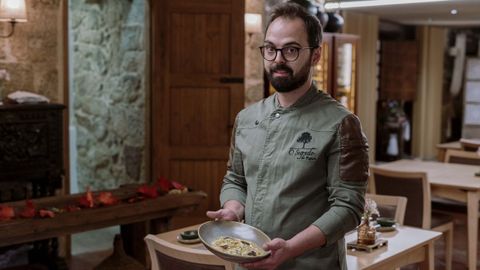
<point x="232" y="210"/>
<point x="223" y="214"/>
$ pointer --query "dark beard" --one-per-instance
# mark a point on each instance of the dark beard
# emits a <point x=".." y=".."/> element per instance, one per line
<point x="289" y="83"/>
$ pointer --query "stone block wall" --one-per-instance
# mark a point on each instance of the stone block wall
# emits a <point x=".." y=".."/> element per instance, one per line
<point x="108" y="54"/>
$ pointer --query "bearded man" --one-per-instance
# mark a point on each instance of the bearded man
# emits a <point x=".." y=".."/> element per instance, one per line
<point x="298" y="162"/>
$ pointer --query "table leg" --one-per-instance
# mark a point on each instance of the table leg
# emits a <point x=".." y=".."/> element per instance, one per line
<point x="472" y="228"/>
<point x="428" y="262"/>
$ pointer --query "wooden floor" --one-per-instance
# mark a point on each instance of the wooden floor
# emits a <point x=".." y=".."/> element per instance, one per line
<point x="88" y="260"/>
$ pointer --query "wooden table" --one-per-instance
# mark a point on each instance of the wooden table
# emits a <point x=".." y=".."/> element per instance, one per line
<point x="453" y="181"/>
<point x="406" y="245"/>
<point x="136" y="219"/>
<point x="443" y="147"/>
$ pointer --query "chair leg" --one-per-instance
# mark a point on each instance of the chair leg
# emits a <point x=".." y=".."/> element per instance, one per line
<point x="448" y="246"/>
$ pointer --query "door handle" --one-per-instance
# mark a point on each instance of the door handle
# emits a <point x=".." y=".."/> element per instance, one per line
<point x="231" y="79"/>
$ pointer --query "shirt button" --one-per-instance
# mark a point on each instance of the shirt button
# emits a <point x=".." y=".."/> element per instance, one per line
<point x="277" y="115"/>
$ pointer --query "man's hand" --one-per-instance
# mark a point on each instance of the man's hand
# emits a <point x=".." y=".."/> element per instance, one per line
<point x="232" y="210"/>
<point x="281" y="251"/>
<point x="223" y="214"/>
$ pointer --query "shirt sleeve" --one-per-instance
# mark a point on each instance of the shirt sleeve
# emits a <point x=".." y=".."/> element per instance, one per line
<point x="347" y="163"/>
<point x="234" y="185"/>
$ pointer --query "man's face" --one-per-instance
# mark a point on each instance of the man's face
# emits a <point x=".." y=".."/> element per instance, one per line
<point x="288" y="76"/>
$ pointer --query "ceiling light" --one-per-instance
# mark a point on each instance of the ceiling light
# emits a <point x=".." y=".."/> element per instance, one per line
<point x="453" y="12"/>
<point x="373" y="3"/>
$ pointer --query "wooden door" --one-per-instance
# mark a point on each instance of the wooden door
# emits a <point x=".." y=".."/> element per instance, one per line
<point x="197" y="90"/>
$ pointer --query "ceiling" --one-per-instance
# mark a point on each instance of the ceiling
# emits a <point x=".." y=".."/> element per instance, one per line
<point x="434" y="13"/>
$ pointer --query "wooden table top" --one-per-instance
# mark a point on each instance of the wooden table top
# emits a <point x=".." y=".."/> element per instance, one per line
<point x="400" y="241"/>
<point x="450" y="145"/>
<point x="440" y="173"/>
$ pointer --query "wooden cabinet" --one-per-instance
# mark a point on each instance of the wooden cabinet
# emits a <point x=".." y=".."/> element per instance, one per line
<point x="31" y="150"/>
<point x="336" y="73"/>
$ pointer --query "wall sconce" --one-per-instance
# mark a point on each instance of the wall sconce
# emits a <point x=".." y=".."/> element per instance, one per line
<point x="12" y="11"/>
<point x="253" y="24"/>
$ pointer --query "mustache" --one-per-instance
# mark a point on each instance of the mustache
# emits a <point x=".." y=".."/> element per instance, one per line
<point x="281" y="67"/>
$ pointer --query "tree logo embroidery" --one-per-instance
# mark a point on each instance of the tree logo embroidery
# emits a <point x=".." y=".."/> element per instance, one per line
<point x="303" y="153"/>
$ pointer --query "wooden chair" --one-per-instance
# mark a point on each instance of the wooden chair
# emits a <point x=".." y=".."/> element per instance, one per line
<point x="458" y="157"/>
<point x="469" y="144"/>
<point x="415" y="187"/>
<point x="462" y="157"/>
<point x="165" y="255"/>
<point x="390" y="206"/>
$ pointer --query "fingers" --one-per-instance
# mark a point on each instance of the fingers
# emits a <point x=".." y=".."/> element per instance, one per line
<point x="214" y="214"/>
<point x="275" y="244"/>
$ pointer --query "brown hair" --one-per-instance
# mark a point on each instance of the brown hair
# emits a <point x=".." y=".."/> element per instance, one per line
<point x="292" y="10"/>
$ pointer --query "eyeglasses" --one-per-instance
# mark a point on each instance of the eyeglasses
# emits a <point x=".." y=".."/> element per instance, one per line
<point x="289" y="53"/>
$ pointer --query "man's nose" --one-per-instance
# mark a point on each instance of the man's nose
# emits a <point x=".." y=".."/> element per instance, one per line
<point x="279" y="58"/>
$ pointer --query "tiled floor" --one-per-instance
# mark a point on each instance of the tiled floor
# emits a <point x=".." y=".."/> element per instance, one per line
<point x="90" y="248"/>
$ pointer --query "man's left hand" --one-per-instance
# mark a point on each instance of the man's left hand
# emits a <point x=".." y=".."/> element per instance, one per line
<point x="281" y="251"/>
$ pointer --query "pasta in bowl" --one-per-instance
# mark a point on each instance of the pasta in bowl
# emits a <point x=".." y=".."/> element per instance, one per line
<point x="234" y="241"/>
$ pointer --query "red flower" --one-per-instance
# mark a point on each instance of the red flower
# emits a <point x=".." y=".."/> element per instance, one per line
<point x="29" y="210"/>
<point x="46" y="213"/>
<point x="87" y="200"/>
<point x="72" y="208"/>
<point x="106" y="198"/>
<point x="6" y="212"/>
<point x="148" y="191"/>
<point x="177" y="185"/>
<point x="164" y="184"/>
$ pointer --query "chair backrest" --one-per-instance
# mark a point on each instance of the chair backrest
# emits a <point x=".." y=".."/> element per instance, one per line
<point x="412" y="185"/>
<point x="462" y="157"/>
<point x="390" y="206"/>
<point x="165" y="255"/>
<point x="471" y="145"/>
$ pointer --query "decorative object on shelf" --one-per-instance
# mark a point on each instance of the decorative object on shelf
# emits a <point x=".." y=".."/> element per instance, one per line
<point x="316" y="9"/>
<point x="12" y="11"/>
<point x="335" y="22"/>
<point x="366" y="231"/>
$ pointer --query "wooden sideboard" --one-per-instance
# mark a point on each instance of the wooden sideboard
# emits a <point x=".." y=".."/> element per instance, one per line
<point x="137" y="219"/>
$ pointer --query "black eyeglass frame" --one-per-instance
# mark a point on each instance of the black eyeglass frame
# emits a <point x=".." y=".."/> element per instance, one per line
<point x="282" y="54"/>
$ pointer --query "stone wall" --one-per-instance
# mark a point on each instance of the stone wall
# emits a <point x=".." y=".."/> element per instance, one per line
<point x="31" y="56"/>
<point x="108" y="90"/>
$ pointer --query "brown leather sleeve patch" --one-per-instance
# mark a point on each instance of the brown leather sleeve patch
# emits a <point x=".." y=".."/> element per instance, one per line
<point x="353" y="150"/>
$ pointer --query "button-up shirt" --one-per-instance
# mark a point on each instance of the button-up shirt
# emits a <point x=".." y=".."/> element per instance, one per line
<point x="297" y="166"/>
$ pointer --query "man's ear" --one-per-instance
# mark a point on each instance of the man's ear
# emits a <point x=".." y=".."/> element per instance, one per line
<point x="317" y="53"/>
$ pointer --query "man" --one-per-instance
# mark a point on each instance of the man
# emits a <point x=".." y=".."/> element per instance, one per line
<point x="298" y="161"/>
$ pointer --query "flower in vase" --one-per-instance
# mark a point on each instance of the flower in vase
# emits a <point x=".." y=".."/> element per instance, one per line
<point x="370" y="208"/>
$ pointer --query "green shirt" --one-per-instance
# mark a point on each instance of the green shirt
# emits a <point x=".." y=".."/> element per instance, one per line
<point x="297" y="166"/>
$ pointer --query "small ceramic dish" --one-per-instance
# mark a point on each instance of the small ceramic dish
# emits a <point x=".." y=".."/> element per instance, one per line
<point x="385" y="222"/>
<point x="187" y="241"/>
<point x="189" y="235"/>
<point x="386" y="228"/>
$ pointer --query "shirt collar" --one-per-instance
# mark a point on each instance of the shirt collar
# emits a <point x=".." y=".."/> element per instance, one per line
<point x="302" y="101"/>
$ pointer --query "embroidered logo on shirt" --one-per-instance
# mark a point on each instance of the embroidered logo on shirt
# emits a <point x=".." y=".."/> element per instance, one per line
<point x="303" y="153"/>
